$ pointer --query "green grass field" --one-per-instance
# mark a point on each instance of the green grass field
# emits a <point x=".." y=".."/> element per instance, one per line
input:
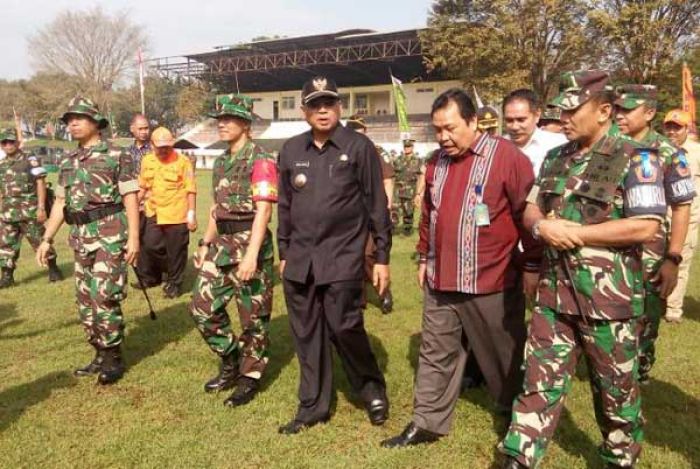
<point x="158" y="415"/>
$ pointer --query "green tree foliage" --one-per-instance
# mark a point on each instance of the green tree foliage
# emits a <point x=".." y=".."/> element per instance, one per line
<point x="645" y="39"/>
<point x="499" y="45"/>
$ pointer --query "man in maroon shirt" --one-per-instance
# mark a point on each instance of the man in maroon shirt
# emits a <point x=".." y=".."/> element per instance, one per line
<point x="470" y="228"/>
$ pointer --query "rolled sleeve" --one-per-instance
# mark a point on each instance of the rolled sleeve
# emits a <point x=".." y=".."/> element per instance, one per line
<point x="127" y="177"/>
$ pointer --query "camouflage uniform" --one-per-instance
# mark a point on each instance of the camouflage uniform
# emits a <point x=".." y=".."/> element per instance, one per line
<point x="237" y="186"/>
<point x="613" y="180"/>
<point x="90" y="179"/>
<point x="679" y="190"/>
<point x="19" y="205"/>
<point x="406" y="169"/>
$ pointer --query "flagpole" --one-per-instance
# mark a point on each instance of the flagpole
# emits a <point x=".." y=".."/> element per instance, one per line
<point x="141" y="87"/>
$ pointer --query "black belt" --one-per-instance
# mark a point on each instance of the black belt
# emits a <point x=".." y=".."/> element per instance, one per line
<point x="86" y="216"/>
<point x="233" y="226"/>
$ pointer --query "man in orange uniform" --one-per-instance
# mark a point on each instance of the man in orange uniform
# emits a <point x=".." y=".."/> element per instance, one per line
<point x="167" y="184"/>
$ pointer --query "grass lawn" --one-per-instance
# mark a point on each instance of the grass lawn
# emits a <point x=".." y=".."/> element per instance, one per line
<point x="158" y="415"/>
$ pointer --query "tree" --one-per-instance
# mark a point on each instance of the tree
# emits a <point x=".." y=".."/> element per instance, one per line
<point x="499" y="45"/>
<point x="91" y="45"/>
<point x="645" y="38"/>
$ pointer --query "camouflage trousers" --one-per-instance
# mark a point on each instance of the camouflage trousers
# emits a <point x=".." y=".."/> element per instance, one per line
<point x="402" y="212"/>
<point x="654" y="309"/>
<point x="214" y="288"/>
<point x="554" y="344"/>
<point x="100" y="283"/>
<point x="11" y="234"/>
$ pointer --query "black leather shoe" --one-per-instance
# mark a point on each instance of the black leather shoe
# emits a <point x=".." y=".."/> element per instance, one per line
<point x="246" y="389"/>
<point x="91" y="368"/>
<point x="295" y="426"/>
<point x="387" y="302"/>
<point x="410" y="436"/>
<point x="512" y="463"/>
<point x="112" y="368"/>
<point x="228" y="374"/>
<point x="55" y="274"/>
<point x="376" y="402"/>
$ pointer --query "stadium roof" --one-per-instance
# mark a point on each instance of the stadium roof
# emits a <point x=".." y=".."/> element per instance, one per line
<point x="355" y="57"/>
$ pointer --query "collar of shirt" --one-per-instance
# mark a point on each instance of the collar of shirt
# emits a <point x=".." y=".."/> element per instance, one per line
<point x="476" y="148"/>
<point x="337" y="138"/>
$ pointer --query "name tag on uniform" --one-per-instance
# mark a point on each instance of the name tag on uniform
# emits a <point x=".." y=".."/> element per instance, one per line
<point x="481" y="214"/>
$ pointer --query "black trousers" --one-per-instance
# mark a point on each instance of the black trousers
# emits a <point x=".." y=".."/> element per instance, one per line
<point x="318" y="316"/>
<point x="163" y="251"/>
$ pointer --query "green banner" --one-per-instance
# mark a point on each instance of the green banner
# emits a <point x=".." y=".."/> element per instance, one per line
<point x="401" y="113"/>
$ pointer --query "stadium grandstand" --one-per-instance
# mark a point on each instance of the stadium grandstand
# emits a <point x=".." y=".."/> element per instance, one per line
<point x="273" y="71"/>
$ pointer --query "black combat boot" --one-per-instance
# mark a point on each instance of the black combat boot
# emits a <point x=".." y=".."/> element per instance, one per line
<point x="245" y="391"/>
<point x="512" y="463"/>
<point x="55" y="274"/>
<point x="112" y="366"/>
<point x="228" y="374"/>
<point x="91" y="368"/>
<point x="7" y="280"/>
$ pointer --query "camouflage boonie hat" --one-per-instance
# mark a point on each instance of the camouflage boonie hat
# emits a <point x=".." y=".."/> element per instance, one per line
<point x="551" y="114"/>
<point x="8" y="134"/>
<point x="575" y="88"/>
<point x="236" y="105"/>
<point x="632" y="96"/>
<point x="486" y="118"/>
<point x="85" y="107"/>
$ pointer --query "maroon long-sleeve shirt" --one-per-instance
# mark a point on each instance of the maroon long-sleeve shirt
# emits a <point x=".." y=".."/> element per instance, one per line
<point x="462" y="256"/>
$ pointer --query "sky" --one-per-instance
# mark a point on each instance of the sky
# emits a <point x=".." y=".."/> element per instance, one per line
<point x="177" y="27"/>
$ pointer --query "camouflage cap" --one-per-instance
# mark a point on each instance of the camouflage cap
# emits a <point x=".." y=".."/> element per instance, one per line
<point x="633" y="96"/>
<point x="85" y="107"/>
<point x="236" y="105"/>
<point x="551" y="114"/>
<point x="486" y="118"/>
<point x="575" y="88"/>
<point x="8" y="134"/>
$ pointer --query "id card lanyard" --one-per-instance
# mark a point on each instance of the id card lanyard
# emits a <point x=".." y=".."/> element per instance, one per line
<point x="481" y="210"/>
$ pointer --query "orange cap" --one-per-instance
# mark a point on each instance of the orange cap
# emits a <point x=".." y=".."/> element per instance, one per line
<point x="677" y="116"/>
<point x="161" y="137"/>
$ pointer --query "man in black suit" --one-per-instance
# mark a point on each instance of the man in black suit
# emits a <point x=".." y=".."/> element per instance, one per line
<point x="331" y="197"/>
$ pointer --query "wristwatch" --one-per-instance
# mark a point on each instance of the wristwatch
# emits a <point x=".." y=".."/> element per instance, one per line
<point x="536" y="230"/>
<point x="673" y="257"/>
<point x="203" y="243"/>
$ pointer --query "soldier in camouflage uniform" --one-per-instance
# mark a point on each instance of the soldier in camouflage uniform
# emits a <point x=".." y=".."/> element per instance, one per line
<point x="407" y="170"/>
<point x="235" y="256"/>
<point x="22" y="207"/>
<point x="97" y="195"/>
<point x="635" y="109"/>
<point x="595" y="200"/>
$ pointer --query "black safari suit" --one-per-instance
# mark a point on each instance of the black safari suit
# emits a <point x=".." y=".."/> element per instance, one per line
<point x="329" y="201"/>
